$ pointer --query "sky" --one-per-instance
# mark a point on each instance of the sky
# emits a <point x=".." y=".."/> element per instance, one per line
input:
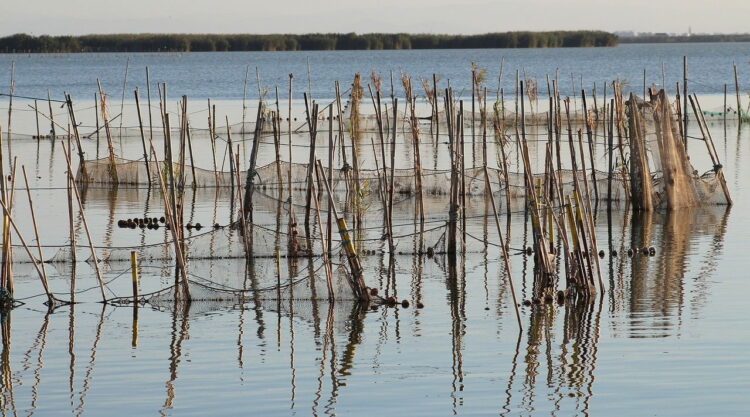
<point x="77" y="17"/>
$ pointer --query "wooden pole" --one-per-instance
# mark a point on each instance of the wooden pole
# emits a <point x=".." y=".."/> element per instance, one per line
<point x="10" y="282"/>
<point x="331" y="153"/>
<point x="313" y="124"/>
<point x="190" y="152"/>
<point x="122" y="100"/>
<point x="590" y="138"/>
<point x="6" y="219"/>
<point x="36" y="116"/>
<point x="289" y="140"/>
<point x="737" y="92"/>
<point x="45" y="282"/>
<point x="724" y="110"/>
<point x="96" y="115"/>
<point x="71" y="215"/>
<point x="143" y="139"/>
<point x="10" y="109"/>
<point x="134" y="274"/>
<point x="173" y="227"/>
<point x="94" y="258"/>
<point x="250" y="180"/>
<point x="212" y="138"/>
<point x="276" y="125"/>
<point x="26" y="247"/>
<point x="244" y="107"/>
<point x="323" y="244"/>
<point x="51" y="116"/>
<point x="148" y="96"/>
<point x="685" y="99"/>
<point x="710" y="146"/>
<point x="503" y="248"/>
<point x="610" y="152"/>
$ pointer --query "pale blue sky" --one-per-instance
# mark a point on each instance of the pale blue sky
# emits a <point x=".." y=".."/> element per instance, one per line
<point x="297" y="16"/>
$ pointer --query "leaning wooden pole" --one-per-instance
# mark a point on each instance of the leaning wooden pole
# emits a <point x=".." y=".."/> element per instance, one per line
<point x="358" y="281"/>
<point x="143" y="138"/>
<point x="503" y="248"/>
<point x="45" y="282"/>
<point x="94" y="258"/>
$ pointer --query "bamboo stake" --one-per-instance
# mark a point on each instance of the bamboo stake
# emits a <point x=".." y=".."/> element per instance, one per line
<point x="134" y="275"/>
<point x="358" y="282"/>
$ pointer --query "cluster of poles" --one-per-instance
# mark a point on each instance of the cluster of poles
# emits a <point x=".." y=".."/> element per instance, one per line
<point x="555" y="216"/>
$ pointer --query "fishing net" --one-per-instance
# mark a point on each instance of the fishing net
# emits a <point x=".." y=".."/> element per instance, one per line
<point x="667" y="179"/>
<point x="275" y="176"/>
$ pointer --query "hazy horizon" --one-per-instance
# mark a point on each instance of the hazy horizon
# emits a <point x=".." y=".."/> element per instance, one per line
<point x="79" y="17"/>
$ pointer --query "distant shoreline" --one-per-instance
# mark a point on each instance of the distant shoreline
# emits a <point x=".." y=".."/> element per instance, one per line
<point x="23" y="43"/>
<point x="743" y="37"/>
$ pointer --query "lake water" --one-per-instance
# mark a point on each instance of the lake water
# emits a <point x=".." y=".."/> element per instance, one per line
<point x="221" y="75"/>
<point x="669" y="338"/>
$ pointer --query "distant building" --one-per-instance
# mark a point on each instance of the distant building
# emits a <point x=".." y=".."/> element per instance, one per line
<point x="626" y="34"/>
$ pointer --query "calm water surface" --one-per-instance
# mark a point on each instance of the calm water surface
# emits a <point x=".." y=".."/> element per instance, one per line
<point x="669" y="338"/>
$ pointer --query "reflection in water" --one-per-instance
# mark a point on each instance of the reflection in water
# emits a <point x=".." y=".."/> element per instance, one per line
<point x="6" y="376"/>
<point x="457" y="297"/>
<point x="552" y="370"/>
<point x="569" y="366"/>
<point x="180" y="327"/>
<point x="39" y="343"/>
<point x="689" y="239"/>
<point x="91" y="364"/>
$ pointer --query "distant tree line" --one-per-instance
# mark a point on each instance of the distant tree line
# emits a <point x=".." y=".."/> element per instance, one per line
<point x="23" y="43"/>
<point x="664" y="38"/>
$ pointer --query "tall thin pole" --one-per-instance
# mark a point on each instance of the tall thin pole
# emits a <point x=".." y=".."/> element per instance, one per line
<point x="685" y="99"/>
<point x="737" y="92"/>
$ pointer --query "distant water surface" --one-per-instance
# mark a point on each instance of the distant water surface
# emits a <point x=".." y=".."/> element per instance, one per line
<point x="221" y="75"/>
